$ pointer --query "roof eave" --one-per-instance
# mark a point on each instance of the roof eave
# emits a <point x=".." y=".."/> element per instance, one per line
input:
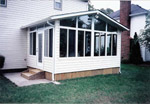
<point x="136" y="14"/>
<point x="120" y="26"/>
<point x="104" y="16"/>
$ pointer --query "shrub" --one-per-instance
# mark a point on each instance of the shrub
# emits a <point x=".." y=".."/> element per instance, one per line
<point x="135" y="52"/>
<point x="2" y="60"/>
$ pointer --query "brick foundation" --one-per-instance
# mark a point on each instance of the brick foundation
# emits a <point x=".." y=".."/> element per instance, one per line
<point x="64" y="76"/>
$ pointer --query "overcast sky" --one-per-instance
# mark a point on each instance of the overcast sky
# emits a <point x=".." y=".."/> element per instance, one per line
<point x="115" y="4"/>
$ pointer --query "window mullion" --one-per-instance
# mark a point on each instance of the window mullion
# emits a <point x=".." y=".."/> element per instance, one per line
<point x="76" y="37"/>
<point x="106" y="40"/>
<point x="99" y="44"/>
<point x="32" y="43"/>
<point x="111" y="44"/>
<point x="84" y="45"/>
<point x="67" y="42"/>
<point x="48" y="42"/>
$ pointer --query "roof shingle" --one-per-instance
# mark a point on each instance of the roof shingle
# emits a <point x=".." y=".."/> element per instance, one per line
<point x="135" y="10"/>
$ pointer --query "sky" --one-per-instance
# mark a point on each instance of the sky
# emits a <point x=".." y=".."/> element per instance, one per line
<point x="115" y="4"/>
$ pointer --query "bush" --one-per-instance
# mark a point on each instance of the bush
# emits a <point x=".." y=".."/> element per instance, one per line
<point x="2" y="60"/>
<point x="125" y="61"/>
<point x="135" y="52"/>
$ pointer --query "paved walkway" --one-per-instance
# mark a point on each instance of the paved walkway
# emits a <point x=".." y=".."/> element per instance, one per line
<point x="20" y="81"/>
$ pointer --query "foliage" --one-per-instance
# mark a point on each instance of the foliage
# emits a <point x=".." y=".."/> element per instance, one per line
<point x="2" y="60"/>
<point x="131" y="86"/>
<point x="91" y="7"/>
<point x="145" y="34"/>
<point x="107" y="11"/>
<point x="135" y="52"/>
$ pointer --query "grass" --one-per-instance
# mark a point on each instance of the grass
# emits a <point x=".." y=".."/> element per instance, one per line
<point x="132" y="86"/>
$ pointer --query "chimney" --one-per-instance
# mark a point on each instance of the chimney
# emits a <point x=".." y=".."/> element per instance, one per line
<point x="125" y="9"/>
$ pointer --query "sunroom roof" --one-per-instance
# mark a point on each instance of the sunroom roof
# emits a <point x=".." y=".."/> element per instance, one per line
<point x="102" y="16"/>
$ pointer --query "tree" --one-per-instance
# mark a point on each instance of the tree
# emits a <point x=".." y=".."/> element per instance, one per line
<point x="135" y="52"/>
<point x="107" y="11"/>
<point x="145" y="34"/>
<point x="91" y="7"/>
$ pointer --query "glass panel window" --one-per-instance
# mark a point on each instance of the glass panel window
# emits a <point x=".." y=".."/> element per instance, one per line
<point x="46" y="43"/>
<point x="109" y="44"/>
<point x="96" y="44"/>
<point x="102" y="45"/>
<point x="99" y="24"/>
<point x="50" y="42"/>
<point x="58" y="4"/>
<point x="87" y="43"/>
<point x="32" y="28"/>
<point x="63" y="42"/>
<point x="112" y="28"/>
<point x="70" y="22"/>
<point x="114" y="45"/>
<point x="72" y="43"/>
<point x="85" y="21"/>
<point x="80" y="43"/>
<point x="33" y="43"/>
<point x="3" y="2"/>
<point x="40" y="48"/>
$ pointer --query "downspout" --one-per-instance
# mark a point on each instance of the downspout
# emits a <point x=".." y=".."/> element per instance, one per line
<point x="120" y="50"/>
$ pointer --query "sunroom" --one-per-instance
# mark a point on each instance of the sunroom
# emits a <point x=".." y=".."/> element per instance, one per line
<point x="75" y="45"/>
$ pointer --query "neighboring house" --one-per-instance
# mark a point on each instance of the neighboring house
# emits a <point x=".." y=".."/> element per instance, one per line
<point x="137" y="21"/>
<point x="60" y="37"/>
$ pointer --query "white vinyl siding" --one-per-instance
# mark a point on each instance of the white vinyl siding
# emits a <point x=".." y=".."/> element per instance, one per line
<point x="13" y="40"/>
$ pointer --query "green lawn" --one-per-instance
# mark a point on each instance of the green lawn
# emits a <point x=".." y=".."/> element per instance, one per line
<point x="132" y="86"/>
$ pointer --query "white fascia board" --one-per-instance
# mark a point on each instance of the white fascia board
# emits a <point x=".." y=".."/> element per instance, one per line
<point x="61" y="16"/>
<point x="73" y="15"/>
<point x="36" y="23"/>
<point x="114" y="21"/>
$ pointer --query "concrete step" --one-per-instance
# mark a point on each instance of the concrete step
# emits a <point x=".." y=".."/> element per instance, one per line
<point x="32" y="74"/>
<point x="26" y="75"/>
<point x="34" y="71"/>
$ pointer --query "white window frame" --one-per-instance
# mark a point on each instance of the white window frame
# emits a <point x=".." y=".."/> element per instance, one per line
<point x="55" y="7"/>
<point x="92" y="30"/>
<point x="101" y="33"/>
<point x="69" y="28"/>
<point x="111" y="35"/>
<point x="48" y="28"/>
<point x="31" y="32"/>
<point x="3" y="5"/>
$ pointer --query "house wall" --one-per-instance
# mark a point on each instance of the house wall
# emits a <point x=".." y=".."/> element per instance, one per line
<point x="32" y="59"/>
<point x="13" y="41"/>
<point x="147" y="54"/>
<point x="75" y="64"/>
<point x="137" y="24"/>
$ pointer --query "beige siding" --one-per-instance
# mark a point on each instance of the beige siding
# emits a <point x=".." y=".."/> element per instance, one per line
<point x="74" y="64"/>
<point x="13" y="41"/>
